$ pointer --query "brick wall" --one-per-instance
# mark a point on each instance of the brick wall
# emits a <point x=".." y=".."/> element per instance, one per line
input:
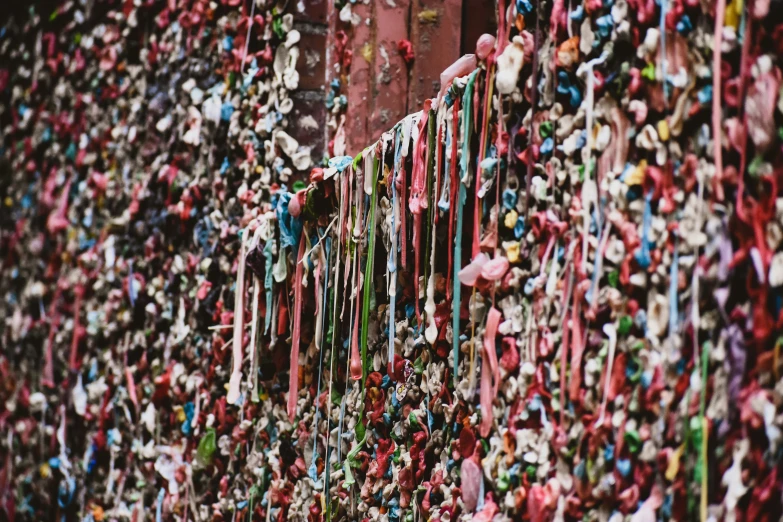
<point x="381" y="87"/>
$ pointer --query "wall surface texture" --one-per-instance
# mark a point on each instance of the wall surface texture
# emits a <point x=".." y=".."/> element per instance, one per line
<point x="391" y="260"/>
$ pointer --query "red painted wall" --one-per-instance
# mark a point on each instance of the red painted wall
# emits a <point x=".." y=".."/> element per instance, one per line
<point x="381" y="88"/>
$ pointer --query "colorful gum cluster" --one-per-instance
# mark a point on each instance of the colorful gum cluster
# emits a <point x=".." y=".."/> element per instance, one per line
<point x="553" y="294"/>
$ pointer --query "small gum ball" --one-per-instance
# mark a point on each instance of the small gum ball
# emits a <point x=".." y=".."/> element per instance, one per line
<point x="295" y="206"/>
<point x="316" y="175"/>
<point x="484" y="46"/>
